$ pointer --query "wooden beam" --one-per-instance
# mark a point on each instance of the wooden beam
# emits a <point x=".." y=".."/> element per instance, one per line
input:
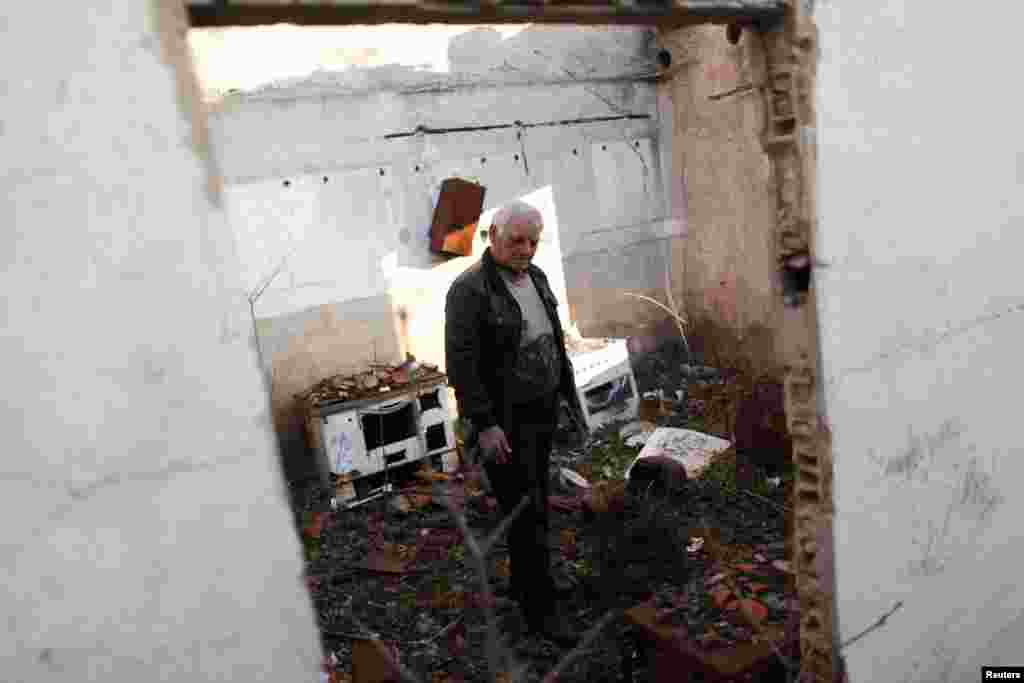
<point x="666" y="13"/>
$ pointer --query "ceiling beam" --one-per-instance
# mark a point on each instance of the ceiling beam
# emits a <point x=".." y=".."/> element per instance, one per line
<point x="665" y="13"/>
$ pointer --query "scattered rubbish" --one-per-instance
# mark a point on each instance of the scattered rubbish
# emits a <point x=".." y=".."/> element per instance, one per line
<point x="428" y="474"/>
<point x="564" y="503"/>
<point x="695" y="545"/>
<point x="375" y="661"/>
<point x="774" y="482"/>
<point x="720" y="596"/>
<point x="753" y="610"/>
<point x="653" y="406"/>
<point x="636" y="433"/>
<point x="758" y="557"/>
<point x="407" y="502"/>
<point x="605" y="496"/>
<point x="746" y="568"/>
<point x="716" y="578"/>
<point x="450" y="461"/>
<point x="783" y="566"/>
<point x="344" y="489"/>
<point x="387" y="560"/>
<point x="571" y="479"/>
<point x="503" y="568"/>
<point x="315" y="523"/>
<point x="690" y="448"/>
<point x="657" y="474"/>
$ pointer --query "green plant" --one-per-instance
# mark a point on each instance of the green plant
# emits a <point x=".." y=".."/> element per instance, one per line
<point x="610" y="460"/>
<point x="720" y="475"/>
<point x="311" y="549"/>
<point x="583" y="567"/>
<point x="457" y="554"/>
<point x="407" y="601"/>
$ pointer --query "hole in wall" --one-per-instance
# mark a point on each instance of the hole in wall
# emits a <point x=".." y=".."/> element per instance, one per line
<point x="381" y="171"/>
<point x="287" y="183"/>
<point x="796" y="277"/>
<point x="733" y="33"/>
<point x="325" y="180"/>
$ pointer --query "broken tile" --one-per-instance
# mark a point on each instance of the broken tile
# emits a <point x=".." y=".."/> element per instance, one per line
<point x="690" y="448"/>
<point x="720" y="595"/>
<point x="636" y="433"/>
<point x="572" y="480"/>
<point x="374" y="661"/>
<point x="753" y="610"/>
<point x="716" y="578"/>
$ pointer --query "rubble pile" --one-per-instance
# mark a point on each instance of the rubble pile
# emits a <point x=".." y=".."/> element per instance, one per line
<point x="648" y="519"/>
<point x="377" y="380"/>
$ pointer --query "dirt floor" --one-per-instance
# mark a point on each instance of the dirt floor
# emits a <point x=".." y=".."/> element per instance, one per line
<point x="708" y="563"/>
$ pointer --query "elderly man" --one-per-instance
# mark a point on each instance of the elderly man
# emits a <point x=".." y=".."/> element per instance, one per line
<point x="506" y="359"/>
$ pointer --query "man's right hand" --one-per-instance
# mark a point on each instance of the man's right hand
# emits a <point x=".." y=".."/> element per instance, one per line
<point x="493" y="444"/>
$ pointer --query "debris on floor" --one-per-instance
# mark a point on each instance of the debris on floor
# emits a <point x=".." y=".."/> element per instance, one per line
<point x="378" y="379"/>
<point x="693" y="450"/>
<point x="642" y="521"/>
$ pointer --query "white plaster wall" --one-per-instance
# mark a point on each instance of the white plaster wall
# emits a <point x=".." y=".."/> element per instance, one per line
<point x="145" y="535"/>
<point x="922" y="228"/>
<point x="329" y="209"/>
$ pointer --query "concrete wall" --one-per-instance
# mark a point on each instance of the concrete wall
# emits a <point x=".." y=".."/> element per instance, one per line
<point x="722" y="184"/>
<point x="921" y="172"/>
<point x="334" y="210"/>
<point x="146" y="535"/>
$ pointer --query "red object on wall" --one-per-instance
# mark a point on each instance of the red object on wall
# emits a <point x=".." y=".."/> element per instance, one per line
<point x="456" y="217"/>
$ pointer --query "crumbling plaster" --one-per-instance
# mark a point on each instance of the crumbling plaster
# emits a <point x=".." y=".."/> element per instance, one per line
<point x="724" y="183"/>
<point x="921" y="320"/>
<point x="146" y="532"/>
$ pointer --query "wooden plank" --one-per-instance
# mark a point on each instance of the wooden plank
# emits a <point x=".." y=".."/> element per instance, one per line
<point x="667" y="13"/>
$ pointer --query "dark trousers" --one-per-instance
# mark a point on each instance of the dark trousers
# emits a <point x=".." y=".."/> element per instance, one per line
<point x="529" y="429"/>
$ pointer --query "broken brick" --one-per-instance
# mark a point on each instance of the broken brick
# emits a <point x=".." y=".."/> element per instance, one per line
<point x="720" y="596"/>
<point x="753" y="610"/>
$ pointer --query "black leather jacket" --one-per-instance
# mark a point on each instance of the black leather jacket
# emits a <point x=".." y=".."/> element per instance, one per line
<point x="483" y="326"/>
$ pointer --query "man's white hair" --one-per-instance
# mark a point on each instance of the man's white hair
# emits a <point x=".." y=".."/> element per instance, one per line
<point x="515" y="212"/>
